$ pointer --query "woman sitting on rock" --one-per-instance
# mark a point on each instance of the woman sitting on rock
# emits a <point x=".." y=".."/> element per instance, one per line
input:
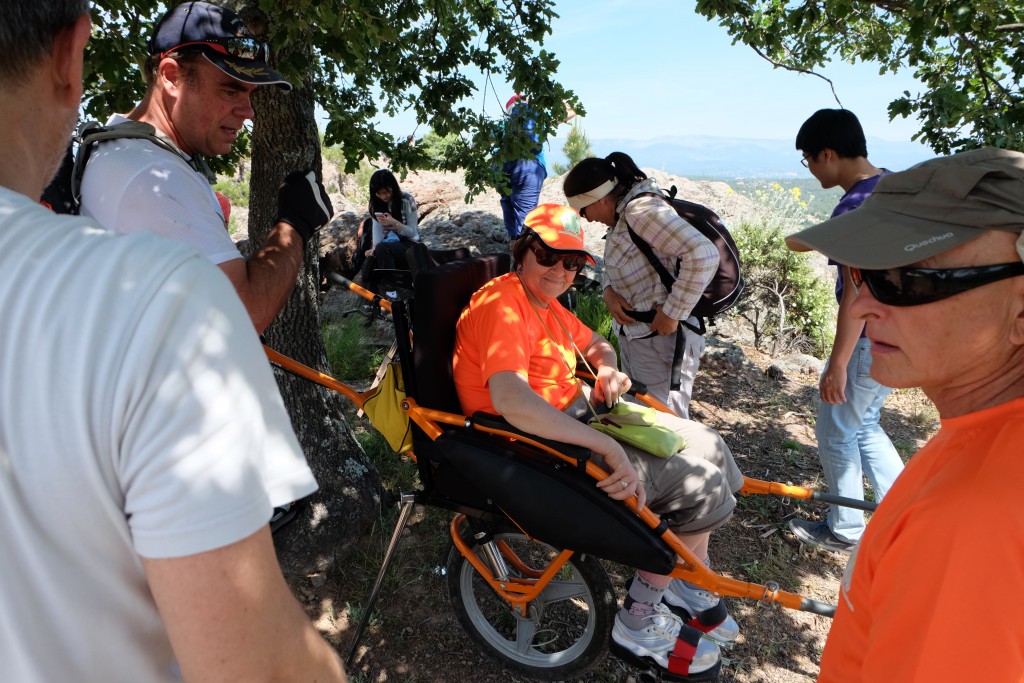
<point x="393" y="225"/>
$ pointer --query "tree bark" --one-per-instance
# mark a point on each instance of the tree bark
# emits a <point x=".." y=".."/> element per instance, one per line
<point x="285" y="139"/>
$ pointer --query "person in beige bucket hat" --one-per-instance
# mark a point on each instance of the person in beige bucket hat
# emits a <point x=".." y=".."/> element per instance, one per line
<point x="936" y="253"/>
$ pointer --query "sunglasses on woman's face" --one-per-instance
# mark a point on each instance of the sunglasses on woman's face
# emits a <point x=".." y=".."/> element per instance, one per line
<point x="548" y="258"/>
<point x="916" y="286"/>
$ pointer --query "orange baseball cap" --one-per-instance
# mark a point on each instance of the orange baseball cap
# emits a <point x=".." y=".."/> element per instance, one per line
<point x="558" y="227"/>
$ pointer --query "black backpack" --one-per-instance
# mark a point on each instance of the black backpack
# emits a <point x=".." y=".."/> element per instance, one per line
<point x="726" y="286"/>
<point x="64" y="193"/>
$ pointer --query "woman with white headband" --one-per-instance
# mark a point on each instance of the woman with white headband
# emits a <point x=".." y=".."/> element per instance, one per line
<point x="648" y="318"/>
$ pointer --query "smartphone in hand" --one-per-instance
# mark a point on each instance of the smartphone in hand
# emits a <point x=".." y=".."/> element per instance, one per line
<point x="380" y="216"/>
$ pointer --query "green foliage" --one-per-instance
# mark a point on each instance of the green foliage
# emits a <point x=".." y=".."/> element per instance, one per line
<point x="576" y="149"/>
<point x="438" y="147"/>
<point x="591" y="310"/>
<point x="969" y="56"/>
<point x="362" y="60"/>
<point x="237" y="191"/>
<point x="333" y="154"/>
<point x="785" y="300"/>
<point x="348" y="353"/>
<point x="801" y="201"/>
<point x="362" y="182"/>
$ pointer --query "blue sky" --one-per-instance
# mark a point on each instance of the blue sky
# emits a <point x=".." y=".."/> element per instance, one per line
<point x="657" y="68"/>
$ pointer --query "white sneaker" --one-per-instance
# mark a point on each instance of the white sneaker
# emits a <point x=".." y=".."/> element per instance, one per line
<point x="702" y="610"/>
<point x="667" y="642"/>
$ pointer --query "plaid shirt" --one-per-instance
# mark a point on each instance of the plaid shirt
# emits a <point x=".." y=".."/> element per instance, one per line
<point x="629" y="272"/>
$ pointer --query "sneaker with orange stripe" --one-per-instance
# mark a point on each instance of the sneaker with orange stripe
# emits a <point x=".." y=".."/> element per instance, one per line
<point x="677" y="650"/>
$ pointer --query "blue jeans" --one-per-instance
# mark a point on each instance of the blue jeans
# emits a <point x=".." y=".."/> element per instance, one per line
<point x="851" y="444"/>
<point x="525" y="179"/>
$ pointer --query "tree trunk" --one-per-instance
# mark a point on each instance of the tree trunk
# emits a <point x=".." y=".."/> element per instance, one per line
<point x="285" y="139"/>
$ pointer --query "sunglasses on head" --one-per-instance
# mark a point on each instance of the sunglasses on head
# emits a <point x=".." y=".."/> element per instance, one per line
<point x="547" y="258"/>
<point x="245" y="48"/>
<point x="916" y="286"/>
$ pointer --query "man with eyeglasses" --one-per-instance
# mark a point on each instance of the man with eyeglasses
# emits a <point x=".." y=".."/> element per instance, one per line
<point x="936" y="255"/>
<point x="851" y="442"/>
<point x="202" y="69"/>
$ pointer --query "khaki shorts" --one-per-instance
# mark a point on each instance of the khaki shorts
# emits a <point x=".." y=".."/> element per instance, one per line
<point x="693" y="491"/>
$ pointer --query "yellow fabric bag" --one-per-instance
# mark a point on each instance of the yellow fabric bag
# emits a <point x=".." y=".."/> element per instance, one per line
<point x="384" y="408"/>
<point x="637" y="425"/>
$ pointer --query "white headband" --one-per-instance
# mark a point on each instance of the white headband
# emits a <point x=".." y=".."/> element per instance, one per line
<point x="582" y="201"/>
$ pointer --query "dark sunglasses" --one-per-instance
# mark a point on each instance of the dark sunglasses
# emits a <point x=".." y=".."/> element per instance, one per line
<point x="916" y="286"/>
<point x="548" y="258"/>
<point x="245" y="48"/>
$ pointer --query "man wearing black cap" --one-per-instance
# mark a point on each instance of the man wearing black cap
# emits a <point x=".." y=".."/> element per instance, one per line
<point x="936" y="255"/>
<point x="203" y="66"/>
<point x="138" y="459"/>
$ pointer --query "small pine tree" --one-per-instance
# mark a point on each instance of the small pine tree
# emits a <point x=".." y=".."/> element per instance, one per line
<point x="576" y="149"/>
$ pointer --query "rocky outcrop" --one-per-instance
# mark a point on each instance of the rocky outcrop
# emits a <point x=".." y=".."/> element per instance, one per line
<point x="448" y="221"/>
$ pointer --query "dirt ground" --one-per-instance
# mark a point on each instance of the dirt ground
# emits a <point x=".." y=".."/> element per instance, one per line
<point x="415" y="636"/>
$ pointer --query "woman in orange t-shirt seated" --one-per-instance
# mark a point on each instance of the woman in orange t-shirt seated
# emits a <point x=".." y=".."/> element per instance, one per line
<point x="515" y="356"/>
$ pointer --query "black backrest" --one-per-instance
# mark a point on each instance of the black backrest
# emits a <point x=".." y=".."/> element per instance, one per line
<point x="441" y="294"/>
<point x="442" y="256"/>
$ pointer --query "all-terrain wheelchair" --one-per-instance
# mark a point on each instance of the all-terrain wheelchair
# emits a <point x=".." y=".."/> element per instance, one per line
<point x="529" y="527"/>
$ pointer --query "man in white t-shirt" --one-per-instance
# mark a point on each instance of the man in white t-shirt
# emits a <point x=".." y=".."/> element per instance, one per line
<point x="203" y="67"/>
<point x="142" y="437"/>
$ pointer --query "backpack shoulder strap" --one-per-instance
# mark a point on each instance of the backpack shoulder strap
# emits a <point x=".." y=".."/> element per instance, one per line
<point x="666" y="278"/>
<point x="92" y="132"/>
<point x="647" y="250"/>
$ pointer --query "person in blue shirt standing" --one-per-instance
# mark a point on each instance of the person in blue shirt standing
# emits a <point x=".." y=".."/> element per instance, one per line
<point x="525" y="176"/>
<point x="851" y="442"/>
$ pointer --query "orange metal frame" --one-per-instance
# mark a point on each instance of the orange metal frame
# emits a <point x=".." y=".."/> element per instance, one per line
<point x="519" y="592"/>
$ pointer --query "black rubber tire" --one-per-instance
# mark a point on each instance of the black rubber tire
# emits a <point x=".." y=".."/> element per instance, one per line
<point x="567" y="634"/>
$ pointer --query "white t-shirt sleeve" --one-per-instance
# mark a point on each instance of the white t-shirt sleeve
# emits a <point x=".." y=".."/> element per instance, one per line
<point x="207" y="448"/>
<point x="133" y="186"/>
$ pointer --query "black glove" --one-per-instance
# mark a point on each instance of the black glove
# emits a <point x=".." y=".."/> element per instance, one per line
<point x="302" y="203"/>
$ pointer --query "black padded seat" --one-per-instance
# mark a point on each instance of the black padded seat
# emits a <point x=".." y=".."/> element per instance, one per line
<point x="441" y="294"/>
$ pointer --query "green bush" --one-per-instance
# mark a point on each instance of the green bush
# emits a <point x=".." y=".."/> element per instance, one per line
<point x="362" y="182"/>
<point x="576" y="149"/>
<point x="785" y="301"/>
<point x="591" y="310"/>
<point x="437" y="147"/>
<point x="237" y="191"/>
<point x="796" y="203"/>
<point x="334" y="154"/>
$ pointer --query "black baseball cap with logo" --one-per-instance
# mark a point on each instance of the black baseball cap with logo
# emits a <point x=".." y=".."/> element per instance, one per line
<point x="220" y="36"/>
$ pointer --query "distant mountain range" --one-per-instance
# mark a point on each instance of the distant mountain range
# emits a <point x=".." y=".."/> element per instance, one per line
<point x="695" y="156"/>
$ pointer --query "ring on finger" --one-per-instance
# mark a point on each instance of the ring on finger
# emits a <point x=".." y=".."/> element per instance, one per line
<point x="625" y="484"/>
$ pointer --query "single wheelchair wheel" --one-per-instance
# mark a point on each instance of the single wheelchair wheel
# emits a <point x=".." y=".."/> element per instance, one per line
<point x="567" y="627"/>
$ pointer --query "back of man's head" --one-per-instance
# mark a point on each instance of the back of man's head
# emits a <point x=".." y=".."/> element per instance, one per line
<point x="27" y="30"/>
<point x="835" y="129"/>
